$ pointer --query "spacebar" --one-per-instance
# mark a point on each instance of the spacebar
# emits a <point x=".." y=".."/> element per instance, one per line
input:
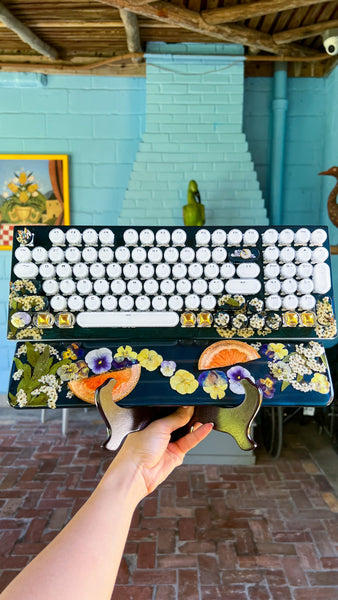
<point x="127" y="319"/>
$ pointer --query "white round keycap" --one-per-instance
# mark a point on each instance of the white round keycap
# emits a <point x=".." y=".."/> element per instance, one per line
<point x="195" y="270"/>
<point x="271" y="270"/>
<point x="319" y="255"/>
<point x="40" y="254"/>
<point x="101" y="287"/>
<point x="159" y="303"/>
<point x="106" y="255"/>
<point x="142" y="303"/>
<point x="248" y="269"/>
<point x="289" y="286"/>
<point x="130" y="271"/>
<point x="271" y="254"/>
<point x="118" y="287"/>
<point x="179" y="237"/>
<point x="56" y="254"/>
<point x="307" y="302"/>
<point x="134" y="287"/>
<point x="290" y="302"/>
<point x="109" y="302"/>
<point x="272" y="286"/>
<point x="50" y="287"/>
<point x="171" y="255"/>
<point x="305" y="286"/>
<point x="155" y="255"/>
<point x="208" y="302"/>
<point x="234" y="237"/>
<point x="139" y="255"/>
<point x="147" y="237"/>
<point x="162" y="237"/>
<point x="146" y="270"/>
<point x="218" y="237"/>
<point x="122" y="254"/>
<point x="285" y="237"/>
<point x="216" y="286"/>
<point x="106" y="237"/>
<point x="303" y="254"/>
<point x="47" y="270"/>
<point x="89" y="254"/>
<point x="203" y="255"/>
<point x="187" y="255"/>
<point x="73" y="236"/>
<point x="114" y="271"/>
<point x="63" y="270"/>
<point x="126" y="302"/>
<point x="97" y="271"/>
<point x="304" y="270"/>
<point x="92" y="302"/>
<point x="84" y="287"/>
<point x="287" y="254"/>
<point x="273" y="302"/>
<point x="219" y="255"/>
<point x="250" y="237"/>
<point x="150" y="286"/>
<point x="72" y="255"/>
<point x="192" y="302"/>
<point x="67" y="287"/>
<point x="179" y="270"/>
<point x="199" y="286"/>
<point x="167" y="286"/>
<point x="58" y="303"/>
<point x="75" y="303"/>
<point x="57" y="236"/>
<point x="211" y="270"/>
<point x="270" y="237"/>
<point x="318" y="237"/>
<point x="302" y="236"/>
<point x="130" y="237"/>
<point x="183" y="286"/>
<point x="162" y="271"/>
<point x="228" y="270"/>
<point x="288" y="270"/>
<point x="24" y="254"/>
<point x="202" y="237"/>
<point x="90" y="236"/>
<point x="175" y="302"/>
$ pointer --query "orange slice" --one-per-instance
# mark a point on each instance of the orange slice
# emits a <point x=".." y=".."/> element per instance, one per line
<point x="226" y="353"/>
<point x="126" y="380"/>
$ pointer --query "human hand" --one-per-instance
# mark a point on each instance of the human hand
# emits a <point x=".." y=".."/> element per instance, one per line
<point x="152" y="455"/>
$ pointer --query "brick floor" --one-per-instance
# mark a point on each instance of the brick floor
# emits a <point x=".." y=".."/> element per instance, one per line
<point x="267" y="532"/>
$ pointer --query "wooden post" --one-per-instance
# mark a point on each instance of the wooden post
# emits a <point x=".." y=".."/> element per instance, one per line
<point x="130" y="22"/>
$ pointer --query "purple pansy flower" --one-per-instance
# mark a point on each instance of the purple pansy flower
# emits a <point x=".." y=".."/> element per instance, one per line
<point x="99" y="361"/>
<point x="267" y="386"/>
<point x="235" y="374"/>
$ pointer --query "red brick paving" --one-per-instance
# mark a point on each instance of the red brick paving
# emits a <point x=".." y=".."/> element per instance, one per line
<point x="267" y="532"/>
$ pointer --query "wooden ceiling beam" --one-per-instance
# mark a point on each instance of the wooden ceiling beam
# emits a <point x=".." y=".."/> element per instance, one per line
<point x="192" y="20"/>
<point x="301" y="33"/>
<point x="240" y="12"/>
<point x="26" y="34"/>
<point x="130" y="22"/>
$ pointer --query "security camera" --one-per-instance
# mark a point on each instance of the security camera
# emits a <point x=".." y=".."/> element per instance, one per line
<point x="330" y="41"/>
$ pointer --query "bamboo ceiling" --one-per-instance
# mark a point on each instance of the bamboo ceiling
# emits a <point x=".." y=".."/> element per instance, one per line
<point x="110" y="36"/>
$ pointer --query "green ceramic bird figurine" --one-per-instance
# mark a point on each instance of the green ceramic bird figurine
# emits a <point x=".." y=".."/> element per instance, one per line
<point x="193" y="212"/>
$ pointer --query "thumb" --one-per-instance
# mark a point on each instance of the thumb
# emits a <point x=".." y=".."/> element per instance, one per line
<point x="177" y="419"/>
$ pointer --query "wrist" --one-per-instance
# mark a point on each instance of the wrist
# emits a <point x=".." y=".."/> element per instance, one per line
<point x="124" y="478"/>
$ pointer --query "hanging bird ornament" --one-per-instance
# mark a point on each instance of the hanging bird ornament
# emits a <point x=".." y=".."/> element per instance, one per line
<point x="193" y="212"/>
<point x="332" y="206"/>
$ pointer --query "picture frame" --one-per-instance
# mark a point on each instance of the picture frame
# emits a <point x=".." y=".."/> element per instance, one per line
<point x="34" y="190"/>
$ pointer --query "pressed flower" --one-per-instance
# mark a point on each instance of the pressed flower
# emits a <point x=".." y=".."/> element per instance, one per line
<point x="99" y="361"/>
<point x="214" y="383"/>
<point x="68" y="372"/>
<point x="149" y="359"/>
<point x="73" y="351"/>
<point x="281" y="371"/>
<point x="82" y="370"/>
<point x="320" y="383"/>
<point x="183" y="382"/>
<point x="278" y="350"/>
<point x="267" y="386"/>
<point x="235" y="374"/>
<point x="168" y="368"/>
<point x="125" y="353"/>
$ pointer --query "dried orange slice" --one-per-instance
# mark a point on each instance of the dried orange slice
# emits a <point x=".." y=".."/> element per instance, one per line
<point x="225" y="353"/>
<point x="126" y="380"/>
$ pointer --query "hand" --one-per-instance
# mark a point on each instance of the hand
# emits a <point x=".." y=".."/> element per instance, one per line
<point x="152" y="454"/>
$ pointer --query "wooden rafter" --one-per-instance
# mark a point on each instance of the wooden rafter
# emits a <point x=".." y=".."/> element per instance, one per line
<point x="301" y="33"/>
<point x="130" y="22"/>
<point x="26" y="34"/>
<point x="193" y="21"/>
<point x="239" y="12"/>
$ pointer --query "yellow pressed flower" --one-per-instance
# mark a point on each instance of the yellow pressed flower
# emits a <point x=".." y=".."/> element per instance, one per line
<point x="320" y="383"/>
<point x="183" y="382"/>
<point x="32" y="187"/>
<point x="126" y="352"/>
<point x="23" y="197"/>
<point x="69" y="354"/>
<point x="214" y="383"/>
<point x="22" y="178"/>
<point x="278" y="349"/>
<point x="14" y="188"/>
<point x="149" y="359"/>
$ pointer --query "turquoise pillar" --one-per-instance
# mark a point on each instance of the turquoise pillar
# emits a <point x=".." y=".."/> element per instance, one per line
<point x="279" y="108"/>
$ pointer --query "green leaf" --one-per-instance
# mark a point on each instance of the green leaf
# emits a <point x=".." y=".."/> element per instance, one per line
<point x="55" y="367"/>
<point x="41" y="367"/>
<point x="299" y="377"/>
<point x="40" y="400"/>
<point x="285" y="384"/>
<point x="19" y="364"/>
<point x="32" y="355"/>
<point x="12" y="399"/>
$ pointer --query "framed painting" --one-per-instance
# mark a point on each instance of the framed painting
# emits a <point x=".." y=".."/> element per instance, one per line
<point x="34" y="190"/>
